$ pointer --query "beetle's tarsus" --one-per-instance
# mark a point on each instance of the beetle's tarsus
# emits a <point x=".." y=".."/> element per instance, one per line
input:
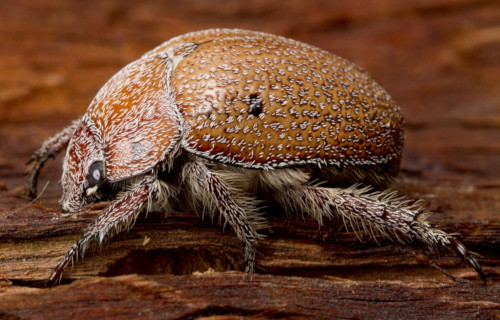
<point x="37" y="162"/>
<point x="56" y="275"/>
<point x="473" y="262"/>
<point x="33" y="178"/>
<point x="49" y="149"/>
<point x="462" y="251"/>
<point x="72" y="254"/>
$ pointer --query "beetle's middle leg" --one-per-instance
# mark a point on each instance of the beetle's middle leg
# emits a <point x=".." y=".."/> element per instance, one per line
<point x="211" y="192"/>
<point x="117" y="217"/>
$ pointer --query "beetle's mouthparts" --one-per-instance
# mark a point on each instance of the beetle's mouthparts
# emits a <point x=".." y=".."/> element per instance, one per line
<point x="91" y="191"/>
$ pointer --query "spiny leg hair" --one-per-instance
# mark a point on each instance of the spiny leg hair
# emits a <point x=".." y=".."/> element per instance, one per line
<point x="49" y="149"/>
<point x="117" y="217"/>
<point x="212" y="192"/>
<point x="381" y="212"/>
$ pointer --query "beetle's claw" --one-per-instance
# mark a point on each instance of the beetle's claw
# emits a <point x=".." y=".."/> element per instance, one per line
<point x="462" y="251"/>
<point x="473" y="262"/>
<point x="56" y="275"/>
<point x="33" y="160"/>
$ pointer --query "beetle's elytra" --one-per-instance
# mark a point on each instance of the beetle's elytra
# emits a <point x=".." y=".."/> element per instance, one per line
<point x="221" y="120"/>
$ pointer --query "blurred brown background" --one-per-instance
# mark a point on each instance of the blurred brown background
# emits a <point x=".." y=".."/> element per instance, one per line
<point x="440" y="60"/>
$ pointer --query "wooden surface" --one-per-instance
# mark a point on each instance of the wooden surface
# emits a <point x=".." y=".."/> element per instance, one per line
<point x="439" y="59"/>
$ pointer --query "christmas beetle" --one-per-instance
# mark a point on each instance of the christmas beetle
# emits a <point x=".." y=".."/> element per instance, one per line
<point x="222" y="119"/>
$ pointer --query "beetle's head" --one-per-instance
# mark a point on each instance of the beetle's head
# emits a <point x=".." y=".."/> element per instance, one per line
<point x="83" y="171"/>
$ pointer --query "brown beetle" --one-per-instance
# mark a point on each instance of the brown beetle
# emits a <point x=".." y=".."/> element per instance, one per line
<point x="221" y="119"/>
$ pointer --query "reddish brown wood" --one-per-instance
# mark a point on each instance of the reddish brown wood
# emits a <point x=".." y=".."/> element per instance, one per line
<point x="230" y="295"/>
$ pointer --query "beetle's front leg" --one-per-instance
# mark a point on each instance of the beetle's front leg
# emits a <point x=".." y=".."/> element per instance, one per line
<point x="116" y="218"/>
<point x="49" y="149"/>
<point x="214" y="193"/>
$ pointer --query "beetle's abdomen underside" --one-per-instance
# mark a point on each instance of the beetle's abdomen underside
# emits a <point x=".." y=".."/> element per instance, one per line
<point x="264" y="101"/>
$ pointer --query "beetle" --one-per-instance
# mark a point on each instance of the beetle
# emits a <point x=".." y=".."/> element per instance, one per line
<point x="221" y="119"/>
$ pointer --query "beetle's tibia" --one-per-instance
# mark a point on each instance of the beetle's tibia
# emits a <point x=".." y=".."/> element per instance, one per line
<point x="240" y="214"/>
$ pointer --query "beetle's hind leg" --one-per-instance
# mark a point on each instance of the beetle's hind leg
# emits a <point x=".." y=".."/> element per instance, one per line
<point x="209" y="191"/>
<point x="117" y="217"/>
<point x="49" y="149"/>
<point x="373" y="212"/>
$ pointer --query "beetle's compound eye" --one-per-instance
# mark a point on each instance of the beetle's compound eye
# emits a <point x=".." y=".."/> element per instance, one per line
<point x="255" y="103"/>
<point x="95" y="175"/>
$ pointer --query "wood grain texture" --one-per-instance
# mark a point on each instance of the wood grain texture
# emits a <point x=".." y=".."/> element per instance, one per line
<point x="440" y="61"/>
<point x="233" y="295"/>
